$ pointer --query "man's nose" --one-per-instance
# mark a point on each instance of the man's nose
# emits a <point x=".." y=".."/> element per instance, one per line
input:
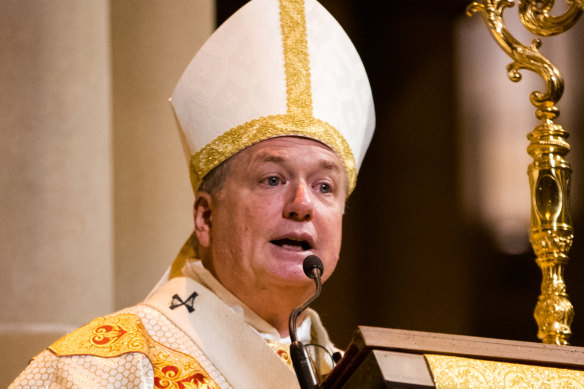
<point x="299" y="205"/>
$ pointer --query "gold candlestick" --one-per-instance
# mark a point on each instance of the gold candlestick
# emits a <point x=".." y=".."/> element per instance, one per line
<point x="551" y="232"/>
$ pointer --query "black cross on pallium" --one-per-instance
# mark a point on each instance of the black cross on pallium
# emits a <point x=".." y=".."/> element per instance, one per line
<point x="188" y="303"/>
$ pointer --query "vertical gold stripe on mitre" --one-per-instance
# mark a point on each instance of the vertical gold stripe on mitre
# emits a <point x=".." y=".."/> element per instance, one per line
<point x="296" y="61"/>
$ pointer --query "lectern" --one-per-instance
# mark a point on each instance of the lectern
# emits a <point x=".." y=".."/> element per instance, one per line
<point x="389" y="358"/>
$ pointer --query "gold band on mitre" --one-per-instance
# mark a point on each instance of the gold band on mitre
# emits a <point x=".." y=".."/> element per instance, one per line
<point x="245" y="135"/>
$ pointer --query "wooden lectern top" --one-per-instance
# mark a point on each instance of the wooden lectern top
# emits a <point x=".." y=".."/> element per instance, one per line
<point x="378" y="353"/>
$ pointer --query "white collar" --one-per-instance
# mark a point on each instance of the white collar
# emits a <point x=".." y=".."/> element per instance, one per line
<point x="196" y="271"/>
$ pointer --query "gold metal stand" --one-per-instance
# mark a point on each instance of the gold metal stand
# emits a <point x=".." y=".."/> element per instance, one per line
<point x="551" y="232"/>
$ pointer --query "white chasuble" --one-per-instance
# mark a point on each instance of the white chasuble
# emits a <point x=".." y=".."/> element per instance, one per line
<point x="182" y="336"/>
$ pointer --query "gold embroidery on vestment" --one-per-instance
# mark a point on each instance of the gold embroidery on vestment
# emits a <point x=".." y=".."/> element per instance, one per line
<point x="456" y="372"/>
<point x="124" y="333"/>
<point x="282" y="350"/>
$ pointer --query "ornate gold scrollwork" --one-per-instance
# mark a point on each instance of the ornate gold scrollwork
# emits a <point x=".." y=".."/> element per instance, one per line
<point x="551" y="232"/>
<point x="524" y="57"/>
<point x="535" y="16"/>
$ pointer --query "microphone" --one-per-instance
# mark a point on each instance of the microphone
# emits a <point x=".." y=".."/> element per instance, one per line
<point x="313" y="268"/>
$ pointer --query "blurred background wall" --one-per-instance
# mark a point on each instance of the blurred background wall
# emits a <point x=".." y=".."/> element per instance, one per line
<point x="95" y="198"/>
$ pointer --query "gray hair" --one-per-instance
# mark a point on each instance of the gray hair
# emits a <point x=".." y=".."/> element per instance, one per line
<point x="214" y="180"/>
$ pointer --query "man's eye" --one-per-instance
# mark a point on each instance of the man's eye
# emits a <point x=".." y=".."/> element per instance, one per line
<point x="325" y="188"/>
<point x="273" y="181"/>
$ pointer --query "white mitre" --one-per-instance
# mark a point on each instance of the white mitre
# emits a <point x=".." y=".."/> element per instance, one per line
<point x="275" y="68"/>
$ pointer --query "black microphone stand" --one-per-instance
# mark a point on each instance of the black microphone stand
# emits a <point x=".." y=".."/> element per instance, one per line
<point x="313" y="268"/>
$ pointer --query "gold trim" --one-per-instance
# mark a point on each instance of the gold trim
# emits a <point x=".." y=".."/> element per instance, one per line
<point x="456" y="372"/>
<point x="257" y="130"/>
<point x="124" y="333"/>
<point x="296" y="60"/>
<point x="299" y="119"/>
<point x="282" y="350"/>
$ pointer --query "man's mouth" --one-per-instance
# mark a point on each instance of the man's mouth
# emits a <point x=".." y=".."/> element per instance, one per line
<point x="292" y="244"/>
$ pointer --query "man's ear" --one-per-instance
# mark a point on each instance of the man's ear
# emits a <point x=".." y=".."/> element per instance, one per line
<point x="203" y="211"/>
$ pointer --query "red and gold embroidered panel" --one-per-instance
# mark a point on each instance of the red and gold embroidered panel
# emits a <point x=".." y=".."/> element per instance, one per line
<point x="124" y="333"/>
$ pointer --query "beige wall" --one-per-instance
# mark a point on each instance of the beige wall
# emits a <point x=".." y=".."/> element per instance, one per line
<point x="152" y="44"/>
<point x="94" y="192"/>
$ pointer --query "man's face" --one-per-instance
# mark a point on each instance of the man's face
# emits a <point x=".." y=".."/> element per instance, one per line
<point x="283" y="200"/>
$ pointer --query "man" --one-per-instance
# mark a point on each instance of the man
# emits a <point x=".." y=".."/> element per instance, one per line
<point x="276" y="113"/>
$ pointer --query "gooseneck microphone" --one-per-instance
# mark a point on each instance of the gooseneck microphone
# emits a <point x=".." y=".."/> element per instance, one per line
<point x="313" y="269"/>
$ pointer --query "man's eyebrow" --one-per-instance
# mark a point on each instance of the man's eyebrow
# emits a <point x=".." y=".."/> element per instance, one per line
<point x="330" y="165"/>
<point x="270" y="158"/>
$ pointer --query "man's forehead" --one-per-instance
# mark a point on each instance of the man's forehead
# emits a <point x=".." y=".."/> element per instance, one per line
<point x="283" y="149"/>
<point x="279" y="148"/>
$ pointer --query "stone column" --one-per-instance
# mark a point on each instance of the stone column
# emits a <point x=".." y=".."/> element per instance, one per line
<point x="56" y="227"/>
<point x="95" y="199"/>
<point x="152" y="44"/>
